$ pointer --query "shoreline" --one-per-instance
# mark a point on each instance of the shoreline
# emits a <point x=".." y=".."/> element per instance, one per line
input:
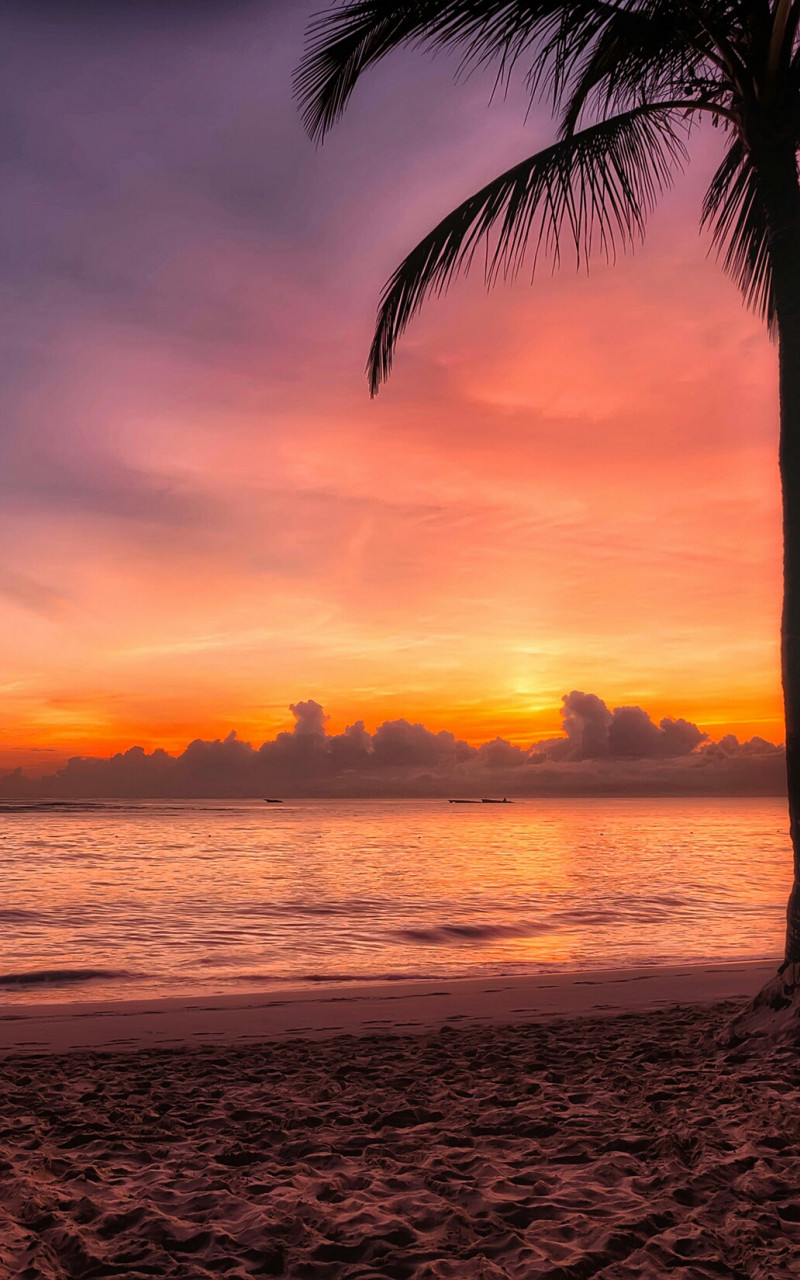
<point x="402" y="1007"/>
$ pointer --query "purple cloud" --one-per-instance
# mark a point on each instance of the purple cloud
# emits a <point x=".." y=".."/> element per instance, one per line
<point x="602" y="752"/>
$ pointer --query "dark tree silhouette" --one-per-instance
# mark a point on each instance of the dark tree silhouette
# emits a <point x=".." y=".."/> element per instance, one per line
<point x="628" y="80"/>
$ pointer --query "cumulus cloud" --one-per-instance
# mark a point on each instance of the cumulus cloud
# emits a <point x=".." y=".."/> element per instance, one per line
<point x="398" y="743"/>
<point x="603" y="751"/>
<point x="309" y="717"/>
<point x="731" y="746"/>
<point x="594" y="732"/>
<point x="632" y="733"/>
<point x="500" y="754"/>
<point x="586" y="720"/>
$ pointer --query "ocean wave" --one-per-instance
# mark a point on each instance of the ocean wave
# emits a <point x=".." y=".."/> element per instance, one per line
<point x="447" y="934"/>
<point x="42" y="806"/>
<point x="290" y="979"/>
<point x="58" y="977"/>
<point x="294" y="908"/>
<point x="143" y="807"/>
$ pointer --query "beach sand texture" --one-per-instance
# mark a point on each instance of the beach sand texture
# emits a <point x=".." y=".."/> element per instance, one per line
<point x="614" y="1147"/>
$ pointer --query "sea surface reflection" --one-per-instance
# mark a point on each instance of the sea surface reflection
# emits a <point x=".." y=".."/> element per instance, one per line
<point x="122" y="900"/>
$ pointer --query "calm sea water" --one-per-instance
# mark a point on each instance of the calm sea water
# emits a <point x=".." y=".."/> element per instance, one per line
<point x="124" y="900"/>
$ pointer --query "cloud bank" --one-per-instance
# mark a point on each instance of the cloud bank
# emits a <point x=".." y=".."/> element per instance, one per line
<point x="603" y="751"/>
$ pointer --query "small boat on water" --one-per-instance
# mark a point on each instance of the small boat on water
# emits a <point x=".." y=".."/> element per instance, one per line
<point x="485" y="800"/>
<point x="268" y="801"/>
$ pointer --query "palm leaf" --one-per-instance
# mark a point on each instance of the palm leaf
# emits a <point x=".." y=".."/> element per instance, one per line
<point x="345" y="41"/>
<point x="734" y="211"/>
<point x="636" y="55"/>
<point x="552" y="35"/>
<point x="597" y="186"/>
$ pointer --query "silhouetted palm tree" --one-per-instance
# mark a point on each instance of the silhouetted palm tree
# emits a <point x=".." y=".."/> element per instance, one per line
<point x="627" y="80"/>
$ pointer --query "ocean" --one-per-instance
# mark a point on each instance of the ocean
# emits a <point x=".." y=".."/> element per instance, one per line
<point x="122" y="900"/>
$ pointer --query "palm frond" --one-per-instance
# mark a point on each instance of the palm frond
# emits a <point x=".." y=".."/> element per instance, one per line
<point x="735" y="214"/>
<point x="553" y="37"/>
<point x="637" y="54"/>
<point x="596" y="186"/>
<point x="344" y="41"/>
<point x="341" y="44"/>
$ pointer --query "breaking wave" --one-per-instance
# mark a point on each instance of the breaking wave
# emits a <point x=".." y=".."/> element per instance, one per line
<point x="58" y="977"/>
<point x="447" y="934"/>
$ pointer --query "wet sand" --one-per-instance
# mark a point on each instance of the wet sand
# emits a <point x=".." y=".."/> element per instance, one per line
<point x="611" y="1146"/>
<point x="321" y="1011"/>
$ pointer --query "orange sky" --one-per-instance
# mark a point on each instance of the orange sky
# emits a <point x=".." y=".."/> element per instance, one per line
<point x="206" y="519"/>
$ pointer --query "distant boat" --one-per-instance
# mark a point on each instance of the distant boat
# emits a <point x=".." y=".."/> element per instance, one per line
<point x="503" y="801"/>
<point x="464" y="802"/>
<point x="268" y="801"/>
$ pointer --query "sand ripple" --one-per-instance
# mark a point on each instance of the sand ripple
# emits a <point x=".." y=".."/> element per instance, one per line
<point x="628" y="1147"/>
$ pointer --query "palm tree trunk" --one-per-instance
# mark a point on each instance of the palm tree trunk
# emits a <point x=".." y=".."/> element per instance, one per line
<point x="781" y="194"/>
<point x="789" y="337"/>
<point x="775" y="1011"/>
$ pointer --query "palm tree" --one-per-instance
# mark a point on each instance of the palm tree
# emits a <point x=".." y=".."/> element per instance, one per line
<point x="628" y="80"/>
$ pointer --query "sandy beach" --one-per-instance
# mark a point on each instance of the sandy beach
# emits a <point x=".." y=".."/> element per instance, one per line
<point x="561" y="1146"/>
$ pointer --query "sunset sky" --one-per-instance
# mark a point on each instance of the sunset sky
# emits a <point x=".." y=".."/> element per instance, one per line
<point x="204" y="518"/>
